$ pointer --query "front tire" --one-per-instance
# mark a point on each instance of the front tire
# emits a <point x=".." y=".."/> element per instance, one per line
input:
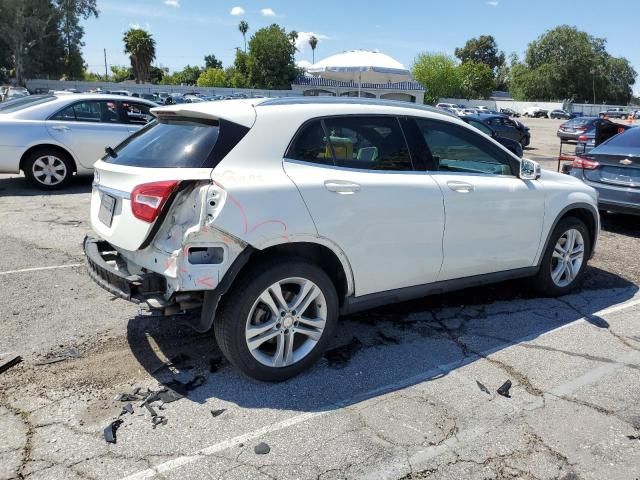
<point x="565" y="260"/>
<point x="278" y="319"/>
<point x="48" y="169"/>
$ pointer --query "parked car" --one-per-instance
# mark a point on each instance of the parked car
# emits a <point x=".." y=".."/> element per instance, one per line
<point x="162" y="97"/>
<point x="124" y="93"/>
<point x="617" y="112"/>
<point x="8" y="93"/>
<point x="536" y="112"/>
<point x="482" y="108"/>
<point x="240" y="229"/>
<point x="560" y="114"/>
<point x="509" y="112"/>
<point x="574" y="128"/>
<point x="52" y="137"/>
<point x="602" y="132"/>
<point x="613" y="169"/>
<point x="507" y="128"/>
<point x="444" y="106"/>
<point x="508" y="143"/>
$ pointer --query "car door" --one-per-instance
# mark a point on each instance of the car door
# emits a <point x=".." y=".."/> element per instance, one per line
<point x="365" y="194"/>
<point x="493" y="218"/>
<point x="86" y="127"/>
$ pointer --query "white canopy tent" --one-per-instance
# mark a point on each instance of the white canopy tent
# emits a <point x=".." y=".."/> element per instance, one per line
<point x="361" y="66"/>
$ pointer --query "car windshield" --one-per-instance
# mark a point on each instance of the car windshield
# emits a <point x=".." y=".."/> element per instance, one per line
<point x="24" y="102"/>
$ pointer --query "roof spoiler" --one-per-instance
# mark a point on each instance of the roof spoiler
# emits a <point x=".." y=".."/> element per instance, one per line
<point x="238" y="111"/>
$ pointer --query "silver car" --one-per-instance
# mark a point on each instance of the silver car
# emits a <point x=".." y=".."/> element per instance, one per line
<point x="53" y="137"/>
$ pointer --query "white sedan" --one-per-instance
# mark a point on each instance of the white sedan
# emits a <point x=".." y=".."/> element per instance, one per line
<point x="53" y="137"/>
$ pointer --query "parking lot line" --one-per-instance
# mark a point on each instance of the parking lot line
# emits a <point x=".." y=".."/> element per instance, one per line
<point x="407" y="382"/>
<point x="37" y="269"/>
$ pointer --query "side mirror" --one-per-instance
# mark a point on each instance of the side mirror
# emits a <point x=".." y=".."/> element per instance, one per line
<point x="529" y="170"/>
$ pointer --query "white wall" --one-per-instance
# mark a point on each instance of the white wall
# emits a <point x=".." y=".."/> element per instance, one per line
<point x="520" y="107"/>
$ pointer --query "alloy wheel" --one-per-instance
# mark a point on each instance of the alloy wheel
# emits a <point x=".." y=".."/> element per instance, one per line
<point x="286" y="322"/>
<point x="567" y="257"/>
<point x="49" y="170"/>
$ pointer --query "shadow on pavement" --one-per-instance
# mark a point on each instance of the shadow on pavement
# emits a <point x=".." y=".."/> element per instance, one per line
<point x="18" y="187"/>
<point x="381" y="350"/>
<point x="628" y="225"/>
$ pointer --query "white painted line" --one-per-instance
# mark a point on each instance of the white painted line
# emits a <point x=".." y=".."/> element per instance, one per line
<point x="429" y="374"/>
<point x="38" y="269"/>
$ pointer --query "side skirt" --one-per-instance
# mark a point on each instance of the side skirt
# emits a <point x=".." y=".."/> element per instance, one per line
<point x="373" y="300"/>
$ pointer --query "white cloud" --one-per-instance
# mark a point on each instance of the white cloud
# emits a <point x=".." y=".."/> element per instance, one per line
<point x="172" y="3"/>
<point x="237" y="11"/>
<point x="268" y="12"/>
<point x="493" y="3"/>
<point x="303" y="64"/>
<point x="302" y="41"/>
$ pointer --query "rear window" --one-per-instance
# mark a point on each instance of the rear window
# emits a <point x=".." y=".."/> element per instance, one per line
<point x="577" y="122"/>
<point x="179" y="143"/>
<point x="24" y="102"/>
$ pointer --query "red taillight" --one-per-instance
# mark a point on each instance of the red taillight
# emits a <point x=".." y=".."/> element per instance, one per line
<point x="581" y="129"/>
<point x="580" y="162"/>
<point x="148" y="199"/>
<point x="583" y="138"/>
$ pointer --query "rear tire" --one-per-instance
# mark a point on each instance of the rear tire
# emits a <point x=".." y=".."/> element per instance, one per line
<point x="267" y="340"/>
<point x="48" y="169"/>
<point x="565" y="260"/>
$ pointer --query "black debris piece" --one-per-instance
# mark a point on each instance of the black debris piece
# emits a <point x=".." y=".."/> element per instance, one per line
<point x="388" y="338"/>
<point x="151" y="409"/>
<point x="262" y="449"/>
<point x="71" y="353"/>
<point x="158" y="420"/>
<point x="128" y="408"/>
<point x="483" y="388"/>
<point x="217" y="413"/>
<point x="633" y="437"/>
<point x="110" y="431"/>
<point x="504" y="389"/>
<point x="179" y="361"/>
<point x="184" y="388"/>
<point x="125" y="397"/>
<point x="339" y="357"/>
<point x="10" y="363"/>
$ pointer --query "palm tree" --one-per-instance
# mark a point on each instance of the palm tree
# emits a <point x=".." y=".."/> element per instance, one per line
<point x="244" y="28"/>
<point x="293" y="36"/>
<point x="141" y="47"/>
<point x="313" y="43"/>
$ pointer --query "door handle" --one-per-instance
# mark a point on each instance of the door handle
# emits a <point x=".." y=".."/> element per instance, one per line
<point x="342" y="187"/>
<point x="61" y="128"/>
<point x="462" y="187"/>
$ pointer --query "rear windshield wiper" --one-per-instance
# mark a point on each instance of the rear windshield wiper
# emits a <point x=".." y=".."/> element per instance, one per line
<point x="111" y="152"/>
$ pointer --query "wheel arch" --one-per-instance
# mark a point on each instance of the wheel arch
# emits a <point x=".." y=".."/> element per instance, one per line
<point x="583" y="211"/>
<point x="52" y="146"/>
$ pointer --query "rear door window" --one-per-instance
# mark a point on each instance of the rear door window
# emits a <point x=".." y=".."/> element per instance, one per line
<point x="102" y="111"/>
<point x="311" y="145"/>
<point x="371" y="143"/>
<point x="179" y="143"/>
<point x="137" y="113"/>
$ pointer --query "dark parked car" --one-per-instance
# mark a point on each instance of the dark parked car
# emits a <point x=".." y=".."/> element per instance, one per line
<point x="574" y="128"/>
<point x="507" y="128"/>
<point x="613" y="169"/>
<point x="559" y="114"/>
<point x="508" y="143"/>
<point x="509" y="112"/>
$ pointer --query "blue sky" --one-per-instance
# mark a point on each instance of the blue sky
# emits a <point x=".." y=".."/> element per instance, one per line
<point x="187" y="30"/>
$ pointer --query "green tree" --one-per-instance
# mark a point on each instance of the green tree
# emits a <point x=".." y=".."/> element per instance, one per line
<point x="483" y="49"/>
<point x="439" y="75"/>
<point x="238" y="74"/>
<point x="270" y="59"/>
<point x="244" y="28"/>
<point x="212" y="77"/>
<point x="476" y="80"/>
<point x="141" y="47"/>
<point x="121" y="73"/>
<point x="210" y="61"/>
<point x="313" y="43"/>
<point x="71" y="12"/>
<point x="566" y="63"/>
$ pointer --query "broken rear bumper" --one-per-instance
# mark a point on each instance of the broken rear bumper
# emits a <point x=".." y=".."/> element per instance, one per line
<point x="109" y="270"/>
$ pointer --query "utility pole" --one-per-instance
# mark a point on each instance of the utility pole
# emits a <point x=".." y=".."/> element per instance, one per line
<point x="106" y="74"/>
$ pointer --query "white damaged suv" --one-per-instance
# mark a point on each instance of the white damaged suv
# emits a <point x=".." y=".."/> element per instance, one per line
<point x="268" y="218"/>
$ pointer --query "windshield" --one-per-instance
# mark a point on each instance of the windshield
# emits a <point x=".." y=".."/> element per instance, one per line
<point x="24" y="102"/>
